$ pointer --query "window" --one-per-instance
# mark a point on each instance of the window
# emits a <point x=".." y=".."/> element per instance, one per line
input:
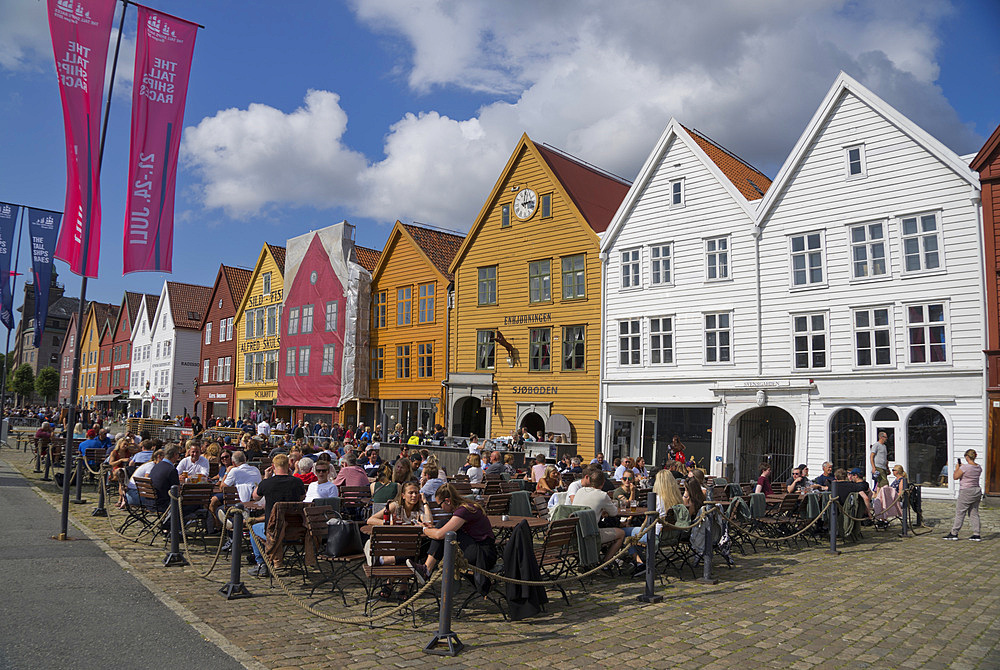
<point x="290" y="362"/>
<point x="718" y="335"/>
<point x="271" y="365"/>
<point x="272" y="320"/>
<point x="927" y="435"/>
<point x="304" y="360"/>
<point x="208" y="332"/>
<point x="574" y="347"/>
<point x="659" y="264"/>
<point x="488" y="285"/>
<point x="807" y="259"/>
<point x="629" y="344"/>
<point x="630" y="268"/>
<point x="485" y="350"/>
<point x="403" y="361"/>
<point x="331" y="316"/>
<point x="228" y="368"/>
<point x="717" y="258"/>
<point x="546" y="205"/>
<point x="404" y="305"/>
<point x="504" y="216"/>
<point x="872" y="337"/>
<point x="293" y="321"/>
<point x="258" y="367"/>
<point x="163" y="323"/>
<point x="539" y="281"/>
<point x="425" y="360"/>
<point x="266" y="279"/>
<point x="91" y="356"/>
<point x="220" y="370"/>
<point x="425" y="307"/>
<point x="809" y="341"/>
<point x="259" y="318"/>
<point x="248" y="365"/>
<point x="868" y="250"/>
<point x="677" y="193"/>
<point x="854" y="161"/>
<point x="166" y="349"/>
<point x="229" y="329"/>
<point x="307" y="319"/>
<point x="248" y="319"/>
<point x="574" y="278"/>
<point x="378" y="363"/>
<point x="329" y="359"/>
<point x="539" y="352"/>
<point x="661" y="339"/>
<point x="921" y="243"/>
<point x="204" y="371"/>
<point x="380" y="301"/>
<point x="925" y="328"/>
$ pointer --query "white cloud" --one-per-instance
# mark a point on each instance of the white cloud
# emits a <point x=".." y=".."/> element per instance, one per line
<point x="599" y="80"/>
<point x="24" y="34"/>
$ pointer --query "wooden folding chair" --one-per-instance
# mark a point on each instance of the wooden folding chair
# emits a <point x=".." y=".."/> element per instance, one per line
<point x="497" y="504"/>
<point x="397" y="543"/>
<point x="315" y="518"/>
<point x="556" y="553"/>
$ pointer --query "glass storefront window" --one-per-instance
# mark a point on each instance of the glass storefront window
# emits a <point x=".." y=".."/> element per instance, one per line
<point x="927" y="448"/>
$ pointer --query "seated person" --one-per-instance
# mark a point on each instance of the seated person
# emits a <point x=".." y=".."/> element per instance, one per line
<point x="474" y="469"/>
<point x="799" y="480"/>
<point x="824" y="480"/>
<point x="549" y="482"/>
<point x="194" y="463"/>
<point x="591" y="495"/>
<point x="852" y="482"/>
<point x="304" y="470"/>
<point x="668" y="494"/>
<point x="628" y="465"/>
<point x="131" y="490"/>
<point x="764" y="481"/>
<point x="601" y="462"/>
<point x="538" y="469"/>
<point x="407" y="509"/>
<point x="277" y="486"/>
<point x="576" y="465"/>
<point x="496" y="464"/>
<point x="694" y="496"/>
<point x="473" y="530"/>
<point x="322" y="487"/>
<point x="430" y="482"/>
<point x="351" y="474"/>
<point x="628" y="489"/>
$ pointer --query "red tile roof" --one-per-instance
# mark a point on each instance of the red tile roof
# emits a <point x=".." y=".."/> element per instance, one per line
<point x="987" y="151"/>
<point x="596" y="193"/>
<point x="279" y="257"/>
<point x="368" y="258"/>
<point x="747" y="179"/>
<point x="440" y="246"/>
<point x="133" y="301"/>
<point x="188" y="304"/>
<point x="103" y="311"/>
<point x="151" y="302"/>
<point x="238" y="280"/>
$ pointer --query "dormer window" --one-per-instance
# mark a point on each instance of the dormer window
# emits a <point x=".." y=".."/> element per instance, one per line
<point x="854" y="161"/>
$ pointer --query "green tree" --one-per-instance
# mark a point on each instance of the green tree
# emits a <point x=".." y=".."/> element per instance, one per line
<point x="47" y="383"/>
<point x="24" y="381"/>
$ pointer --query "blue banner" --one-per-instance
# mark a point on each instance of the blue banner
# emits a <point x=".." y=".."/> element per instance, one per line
<point x="44" y="228"/>
<point x="8" y="224"/>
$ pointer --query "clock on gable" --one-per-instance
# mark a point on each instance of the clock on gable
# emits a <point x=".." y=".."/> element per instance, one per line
<point x="525" y="203"/>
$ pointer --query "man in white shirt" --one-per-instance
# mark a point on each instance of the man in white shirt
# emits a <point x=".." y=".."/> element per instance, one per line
<point x="243" y="476"/>
<point x="131" y="490"/>
<point x="194" y="463"/>
<point x="627" y="464"/>
<point x="590" y="495"/>
<point x="264" y="428"/>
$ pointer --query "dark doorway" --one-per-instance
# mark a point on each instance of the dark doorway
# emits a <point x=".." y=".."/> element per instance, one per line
<point x="469" y="417"/>
<point x="534" y="423"/>
<point x="766" y="434"/>
<point x="847" y="440"/>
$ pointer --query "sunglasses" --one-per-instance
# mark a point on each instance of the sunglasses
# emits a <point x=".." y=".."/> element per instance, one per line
<point x="322" y="469"/>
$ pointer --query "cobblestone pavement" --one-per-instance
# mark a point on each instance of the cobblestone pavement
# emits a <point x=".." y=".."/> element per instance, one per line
<point x="885" y="602"/>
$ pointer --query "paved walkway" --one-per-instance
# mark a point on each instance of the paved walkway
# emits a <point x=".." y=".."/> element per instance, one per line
<point x="885" y="602"/>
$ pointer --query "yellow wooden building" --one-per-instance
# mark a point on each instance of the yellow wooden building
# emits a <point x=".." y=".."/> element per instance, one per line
<point x="258" y="336"/>
<point x="99" y="316"/>
<point x="525" y="335"/>
<point x="410" y="325"/>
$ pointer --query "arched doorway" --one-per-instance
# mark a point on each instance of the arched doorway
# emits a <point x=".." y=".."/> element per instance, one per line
<point x="847" y="439"/>
<point x="765" y="434"/>
<point x="927" y="448"/>
<point x="146" y="405"/>
<point x="469" y="417"/>
<point x="534" y="423"/>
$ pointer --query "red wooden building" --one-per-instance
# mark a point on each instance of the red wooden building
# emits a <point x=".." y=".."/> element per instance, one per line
<point x="216" y="389"/>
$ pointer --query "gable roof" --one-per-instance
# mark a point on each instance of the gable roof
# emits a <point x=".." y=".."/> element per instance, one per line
<point x="278" y="253"/>
<point x="102" y="311"/>
<point x="152" y="301"/>
<point x="368" y="258"/>
<point x="748" y="180"/>
<point x="843" y="85"/>
<point x="132" y="301"/>
<point x="238" y="280"/>
<point x="188" y="304"/>
<point x="439" y="246"/>
<point x="987" y="152"/>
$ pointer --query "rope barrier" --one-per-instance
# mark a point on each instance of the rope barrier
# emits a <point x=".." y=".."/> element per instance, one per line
<point x="222" y="534"/>
<point x="773" y="538"/>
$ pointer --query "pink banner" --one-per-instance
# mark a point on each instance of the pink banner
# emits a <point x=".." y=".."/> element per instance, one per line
<point x="164" y="46"/>
<point x="81" y="30"/>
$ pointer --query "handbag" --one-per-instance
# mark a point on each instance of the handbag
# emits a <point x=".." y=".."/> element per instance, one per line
<point x="342" y="537"/>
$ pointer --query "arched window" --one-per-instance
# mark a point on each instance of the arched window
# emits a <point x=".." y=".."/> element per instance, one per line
<point x="885" y="414"/>
<point x="847" y="439"/>
<point x="927" y="447"/>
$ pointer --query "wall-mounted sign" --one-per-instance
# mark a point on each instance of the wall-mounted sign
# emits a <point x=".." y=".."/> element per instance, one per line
<point x="263" y="395"/>
<point x="535" y="390"/>
<point x="545" y="317"/>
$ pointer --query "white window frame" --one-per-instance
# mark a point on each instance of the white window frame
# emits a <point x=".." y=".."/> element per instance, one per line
<point x="867" y="245"/>
<point x="662" y="333"/>
<point x="925" y="326"/>
<point x="676" y="194"/>
<point x="265" y="281"/>
<point x="806" y="254"/>
<point x="656" y="263"/>
<point x="306" y="326"/>
<point x="293" y="321"/>
<point x="291" y="364"/>
<point x="861" y="159"/>
<point x="329" y="359"/>
<point x="229" y="367"/>
<point x="716" y="253"/>
<point x="871" y="328"/>
<point x="204" y="371"/>
<point x="809" y="333"/>
<point x="331" y="324"/>
<point x="717" y="330"/>
<point x="633" y="338"/>
<point x="304" y="353"/>
<point x="631" y="268"/>
<point x="921" y="237"/>
<point x="208" y="332"/>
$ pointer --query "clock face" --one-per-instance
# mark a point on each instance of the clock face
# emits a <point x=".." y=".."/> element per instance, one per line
<point x="525" y="203"/>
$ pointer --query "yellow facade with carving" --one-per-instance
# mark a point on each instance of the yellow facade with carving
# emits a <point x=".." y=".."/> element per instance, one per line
<point x="90" y="357"/>
<point x="257" y="328"/>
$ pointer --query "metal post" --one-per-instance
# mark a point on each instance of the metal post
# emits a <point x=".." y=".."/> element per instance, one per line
<point x="48" y="465"/>
<point x="648" y="594"/>
<point x="235" y="588"/>
<point x="38" y="457"/>
<point x="99" y="510"/>
<point x="80" y="464"/>
<point x="833" y="519"/>
<point x="707" y="550"/>
<point x="906" y="512"/>
<point x="445" y="636"/>
<point x="175" y="557"/>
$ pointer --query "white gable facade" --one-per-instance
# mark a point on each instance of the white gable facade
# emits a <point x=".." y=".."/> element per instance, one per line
<point x="141" y="378"/>
<point x="857" y="308"/>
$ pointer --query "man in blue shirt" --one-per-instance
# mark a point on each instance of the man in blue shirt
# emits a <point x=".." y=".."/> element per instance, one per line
<point x="92" y="442"/>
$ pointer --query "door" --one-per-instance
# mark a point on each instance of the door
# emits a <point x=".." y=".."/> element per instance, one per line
<point x="621" y="439"/>
<point x="765" y="434"/>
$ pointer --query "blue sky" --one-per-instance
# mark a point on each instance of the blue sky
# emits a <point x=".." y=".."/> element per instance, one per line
<point x="301" y="114"/>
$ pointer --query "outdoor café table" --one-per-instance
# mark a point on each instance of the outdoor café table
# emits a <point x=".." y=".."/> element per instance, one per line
<point x="502" y="529"/>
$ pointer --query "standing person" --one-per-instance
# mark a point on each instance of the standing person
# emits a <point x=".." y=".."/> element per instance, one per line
<point x="879" y="457"/>
<point x="969" y="495"/>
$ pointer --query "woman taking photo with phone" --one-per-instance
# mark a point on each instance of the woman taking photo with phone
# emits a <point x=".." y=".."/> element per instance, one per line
<point x="969" y="495"/>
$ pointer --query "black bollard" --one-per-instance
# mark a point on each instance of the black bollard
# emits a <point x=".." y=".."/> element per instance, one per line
<point x="175" y="557"/>
<point x="833" y="519"/>
<point x="706" y="554"/>
<point x="906" y="513"/>
<point x="80" y="465"/>
<point x="99" y="510"/>
<point x="48" y="466"/>
<point x="235" y="588"/>
<point x="649" y="595"/>
<point x="446" y="638"/>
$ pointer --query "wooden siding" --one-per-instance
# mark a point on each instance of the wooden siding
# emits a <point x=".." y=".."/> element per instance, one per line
<point x="565" y="233"/>
<point x="253" y="299"/>
<point x="406" y="265"/>
<point x="90" y="344"/>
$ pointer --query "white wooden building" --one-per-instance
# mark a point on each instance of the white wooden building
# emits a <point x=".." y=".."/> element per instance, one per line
<point x="794" y="327"/>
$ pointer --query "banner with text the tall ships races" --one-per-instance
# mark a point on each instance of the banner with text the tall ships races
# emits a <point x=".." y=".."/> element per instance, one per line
<point x="8" y="224"/>
<point x="165" y="45"/>
<point x="81" y="30"/>
<point x="43" y="226"/>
